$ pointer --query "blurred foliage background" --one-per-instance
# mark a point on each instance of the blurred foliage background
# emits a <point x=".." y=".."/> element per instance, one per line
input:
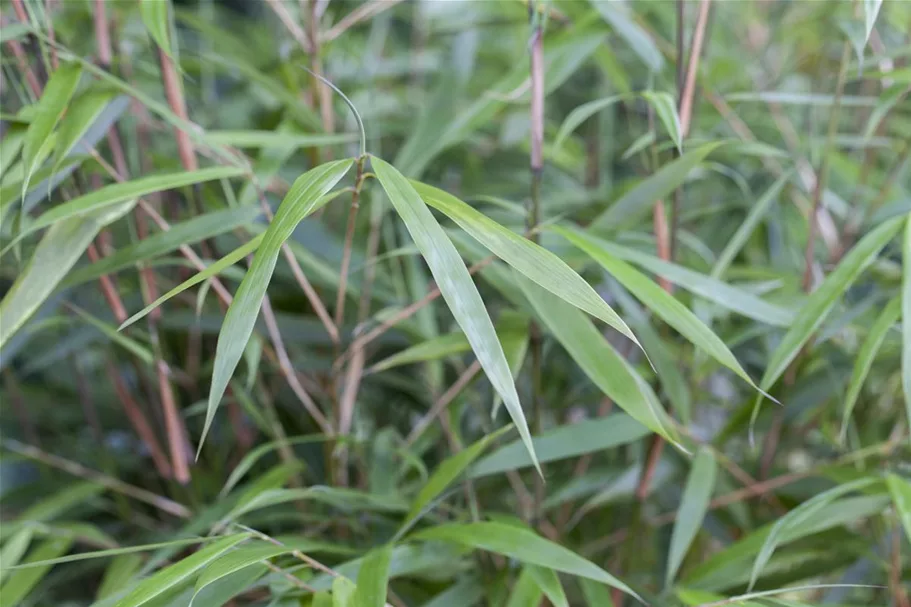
<point x="612" y="310"/>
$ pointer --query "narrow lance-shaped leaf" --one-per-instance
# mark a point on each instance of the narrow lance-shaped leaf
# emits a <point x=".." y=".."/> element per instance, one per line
<point x="57" y="252"/>
<point x="640" y="198"/>
<point x="871" y="11"/>
<point x="172" y="576"/>
<point x="523" y="545"/>
<point x="50" y="108"/>
<point x="667" y="112"/>
<point x="529" y="258"/>
<point x="598" y="359"/>
<point x="14" y="549"/>
<point x="693" y="505"/>
<point x="448" y="471"/>
<point x="638" y="39"/>
<point x="583" y="113"/>
<point x="865" y="357"/>
<point x="820" y="302"/>
<point x="373" y="578"/>
<point x="801" y="515"/>
<point x="22" y="582"/>
<point x="213" y="270"/>
<point x="458" y="290"/>
<point x="900" y="489"/>
<point x="241" y="316"/>
<point x="234" y="561"/>
<point x="549" y="583"/>
<point x="116" y="193"/>
<point x="525" y="591"/>
<point x="79" y="118"/>
<point x="664" y="305"/>
<point x="156" y="19"/>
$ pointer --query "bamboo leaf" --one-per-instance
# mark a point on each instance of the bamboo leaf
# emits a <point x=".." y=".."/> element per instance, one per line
<point x="13" y="550"/>
<point x="631" y="205"/>
<point x="191" y="231"/>
<point x="525" y="591"/>
<point x="598" y="359"/>
<point x="57" y="252"/>
<point x="373" y="578"/>
<point x="693" y="506"/>
<point x="532" y="260"/>
<point x="81" y="115"/>
<point x="241" y="316"/>
<point x="865" y="357"/>
<point x="871" y="11"/>
<point x="618" y="17"/>
<point x="800" y="516"/>
<point x="563" y="442"/>
<point x="155" y="16"/>
<point x="583" y="113"/>
<point x="114" y="194"/>
<point x="549" y="583"/>
<point x="172" y="576"/>
<point x="448" y="471"/>
<point x="50" y="107"/>
<point x="22" y="582"/>
<point x="666" y="109"/>
<point x="235" y="560"/>
<point x="112" y="552"/>
<point x="458" y="290"/>
<point x="659" y="301"/>
<point x="343" y="591"/>
<point x="820" y="302"/>
<point x="278" y="139"/>
<point x="212" y="270"/>
<point x="523" y="545"/>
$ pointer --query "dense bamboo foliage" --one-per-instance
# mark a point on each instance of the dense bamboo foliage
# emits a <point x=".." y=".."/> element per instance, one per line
<point x="451" y="303"/>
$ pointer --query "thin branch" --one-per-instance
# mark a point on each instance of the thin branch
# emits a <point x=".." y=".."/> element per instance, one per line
<point x="445" y="399"/>
<point x="363" y="12"/>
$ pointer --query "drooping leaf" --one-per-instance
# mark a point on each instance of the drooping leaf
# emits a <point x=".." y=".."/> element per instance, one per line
<point x="112" y="195"/>
<point x="241" y="316"/>
<point x="235" y="560"/>
<point x="598" y="359"/>
<point x="693" y="506"/>
<point x="549" y="583"/>
<point x="172" y="576"/>
<point x="532" y="260"/>
<point x="458" y="290"/>
<point x="523" y="545"/>
<point x="865" y="357"/>
<point x="50" y="107"/>
<point x="634" y="203"/>
<point x="618" y="17"/>
<point x="373" y="578"/>
<point x="583" y="113"/>
<point x="57" y="252"/>
<point x="448" y="471"/>
<point x="664" y="305"/>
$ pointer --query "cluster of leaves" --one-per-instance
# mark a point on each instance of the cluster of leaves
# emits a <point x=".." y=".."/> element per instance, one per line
<point x="714" y="247"/>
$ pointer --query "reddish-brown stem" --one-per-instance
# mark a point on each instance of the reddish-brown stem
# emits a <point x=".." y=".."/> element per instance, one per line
<point x="174" y="94"/>
<point x="445" y="399"/>
<point x="178" y="441"/>
<point x="108" y="289"/>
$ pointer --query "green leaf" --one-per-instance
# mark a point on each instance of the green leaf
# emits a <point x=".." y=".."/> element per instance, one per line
<point x="65" y="498"/>
<point x="596" y="595"/>
<point x="598" y="359"/>
<point x="131" y="345"/>
<point x="526" y="591"/>
<point x="549" y="583"/>
<point x="156" y="19"/>
<point x="191" y="231"/>
<point x="900" y="489"/>
<point x="664" y="305"/>
<point x="212" y="270"/>
<point x="79" y="118"/>
<point x="865" y="357"/>
<point x="721" y="293"/>
<point x="278" y="139"/>
<point x="259" y="452"/>
<point x="448" y="471"/>
<point x="21" y="583"/>
<point x="234" y="561"/>
<point x="523" y="545"/>
<point x="563" y="442"/>
<point x="221" y="592"/>
<point x="373" y="578"/>
<point x="49" y="109"/>
<point x="818" y="305"/>
<point x="343" y="591"/>
<point x="118" y="575"/>
<point x="458" y="290"/>
<point x="906" y="316"/>
<point x="532" y="260"/>
<point x="103" y="198"/>
<point x="802" y="515"/>
<point x="871" y="11"/>
<point x="693" y="506"/>
<point x="583" y="113"/>
<point x="181" y="571"/>
<point x="666" y="109"/>
<point x="13" y="550"/>
<point x="631" y="205"/>
<point x="618" y="17"/>
<point x="739" y="239"/>
<point x="100" y="554"/>
<point x="241" y="316"/>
